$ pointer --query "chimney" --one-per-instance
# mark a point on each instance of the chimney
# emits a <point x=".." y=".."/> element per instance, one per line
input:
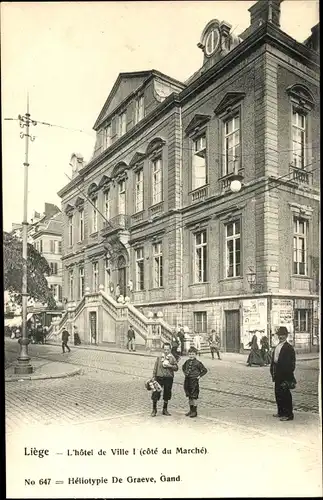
<point x="262" y="12"/>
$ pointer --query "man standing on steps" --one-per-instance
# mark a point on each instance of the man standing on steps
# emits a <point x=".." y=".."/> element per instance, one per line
<point x="163" y="373"/>
<point x="131" y="339"/>
<point x="65" y="336"/>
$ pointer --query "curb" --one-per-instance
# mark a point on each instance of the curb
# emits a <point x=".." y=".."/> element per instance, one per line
<point x="43" y="377"/>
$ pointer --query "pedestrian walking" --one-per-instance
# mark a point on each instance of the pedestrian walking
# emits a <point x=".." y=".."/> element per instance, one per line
<point x="181" y="336"/>
<point x="131" y="339"/>
<point x="265" y="350"/>
<point x="163" y="374"/>
<point x="175" y="345"/>
<point x="77" y="340"/>
<point x="193" y="370"/>
<point x="254" y="357"/>
<point x="65" y="336"/>
<point x="197" y="343"/>
<point x="282" y="369"/>
<point x="214" y="341"/>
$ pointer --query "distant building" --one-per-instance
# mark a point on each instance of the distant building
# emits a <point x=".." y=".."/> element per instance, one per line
<point x="152" y="216"/>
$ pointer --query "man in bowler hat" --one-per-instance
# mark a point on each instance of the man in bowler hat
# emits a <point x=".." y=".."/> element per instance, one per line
<point x="282" y="371"/>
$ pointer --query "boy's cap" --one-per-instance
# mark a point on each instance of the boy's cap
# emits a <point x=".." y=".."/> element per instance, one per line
<point x="193" y="349"/>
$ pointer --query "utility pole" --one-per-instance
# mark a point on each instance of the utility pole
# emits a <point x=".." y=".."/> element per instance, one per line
<point x="23" y="365"/>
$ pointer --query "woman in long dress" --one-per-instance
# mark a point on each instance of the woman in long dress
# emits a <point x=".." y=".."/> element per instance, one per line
<point x="265" y="350"/>
<point x="254" y="357"/>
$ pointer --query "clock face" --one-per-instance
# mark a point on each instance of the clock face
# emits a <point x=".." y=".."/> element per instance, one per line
<point x="212" y="41"/>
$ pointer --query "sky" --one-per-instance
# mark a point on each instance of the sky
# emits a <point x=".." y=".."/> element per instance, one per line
<point x="67" y="55"/>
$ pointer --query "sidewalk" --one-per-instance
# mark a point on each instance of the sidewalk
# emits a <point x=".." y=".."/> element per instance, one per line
<point x="140" y="351"/>
<point x="43" y="369"/>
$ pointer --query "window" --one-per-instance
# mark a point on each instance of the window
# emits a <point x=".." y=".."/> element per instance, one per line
<point x="199" y="174"/>
<point x="40" y="246"/>
<point x="122" y="124"/>
<point x="95" y="276"/>
<point x="107" y="205"/>
<point x="94" y="215"/>
<point x="52" y="246"/>
<point x="139" y="109"/>
<point x="59" y="293"/>
<point x="53" y="268"/>
<point x="139" y="191"/>
<point x="71" y="284"/>
<point x="139" y="252"/>
<point x="107" y="136"/>
<point x="157" y="189"/>
<point x="56" y="247"/>
<point x="200" y="257"/>
<point x="81" y="282"/>
<point x="59" y="247"/>
<point x="200" y="322"/>
<point x="302" y="320"/>
<point x="107" y="275"/>
<point x="81" y="226"/>
<point x="299" y="138"/>
<point x="70" y="230"/>
<point x="232" y="154"/>
<point x="232" y="237"/>
<point x="158" y="265"/>
<point x="300" y="246"/>
<point x="122" y="198"/>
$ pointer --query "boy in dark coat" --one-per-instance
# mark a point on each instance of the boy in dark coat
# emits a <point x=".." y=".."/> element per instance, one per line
<point x="163" y="373"/>
<point x="193" y="369"/>
<point x="65" y="336"/>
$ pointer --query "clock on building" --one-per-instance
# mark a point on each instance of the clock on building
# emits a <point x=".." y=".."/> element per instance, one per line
<point x="212" y="40"/>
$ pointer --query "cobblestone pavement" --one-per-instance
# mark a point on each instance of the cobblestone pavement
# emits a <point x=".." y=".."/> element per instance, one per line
<point x="114" y="384"/>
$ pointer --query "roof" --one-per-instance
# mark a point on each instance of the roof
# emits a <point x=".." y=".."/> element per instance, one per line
<point x="135" y="80"/>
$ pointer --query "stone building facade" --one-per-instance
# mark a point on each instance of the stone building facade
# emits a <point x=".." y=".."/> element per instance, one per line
<point x="152" y="217"/>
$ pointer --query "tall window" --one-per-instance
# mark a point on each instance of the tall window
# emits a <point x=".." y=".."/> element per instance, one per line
<point x="53" y="268"/>
<point x="300" y="246"/>
<point x="233" y="240"/>
<point x="299" y="139"/>
<point x="107" y="275"/>
<point x="200" y="256"/>
<point x="302" y="320"/>
<point x="81" y="282"/>
<point x="52" y="246"/>
<point x="139" y="253"/>
<point x="158" y="265"/>
<point x="139" y="109"/>
<point x="57" y="249"/>
<point x="200" y="322"/>
<point x="232" y="150"/>
<point x="70" y="230"/>
<point x="107" y="205"/>
<point x="122" y="197"/>
<point x="199" y="175"/>
<point x="139" y="191"/>
<point x="71" y="284"/>
<point x="81" y="226"/>
<point x="122" y="124"/>
<point x="94" y="215"/>
<point x="95" y="276"/>
<point x="157" y="188"/>
<point x="107" y="136"/>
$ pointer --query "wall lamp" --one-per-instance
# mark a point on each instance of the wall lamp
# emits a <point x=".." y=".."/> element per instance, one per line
<point x="252" y="278"/>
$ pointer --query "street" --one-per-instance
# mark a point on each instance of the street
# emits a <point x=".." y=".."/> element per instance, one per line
<point x="236" y="404"/>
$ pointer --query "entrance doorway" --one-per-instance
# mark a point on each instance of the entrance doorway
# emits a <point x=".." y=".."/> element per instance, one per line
<point x="122" y="275"/>
<point x="93" y="328"/>
<point x="232" y="331"/>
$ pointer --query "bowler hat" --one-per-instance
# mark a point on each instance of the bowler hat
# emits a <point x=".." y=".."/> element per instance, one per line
<point x="282" y="330"/>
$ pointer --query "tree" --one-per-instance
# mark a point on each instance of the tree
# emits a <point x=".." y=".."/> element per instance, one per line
<point x="37" y="269"/>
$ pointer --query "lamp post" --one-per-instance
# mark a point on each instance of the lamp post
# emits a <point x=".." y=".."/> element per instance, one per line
<point x="23" y="365"/>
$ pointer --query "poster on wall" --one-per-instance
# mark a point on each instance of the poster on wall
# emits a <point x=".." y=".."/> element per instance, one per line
<point x="254" y="320"/>
<point x="282" y="314"/>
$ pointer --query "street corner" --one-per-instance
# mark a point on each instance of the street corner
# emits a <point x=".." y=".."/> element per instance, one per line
<point x="43" y="370"/>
